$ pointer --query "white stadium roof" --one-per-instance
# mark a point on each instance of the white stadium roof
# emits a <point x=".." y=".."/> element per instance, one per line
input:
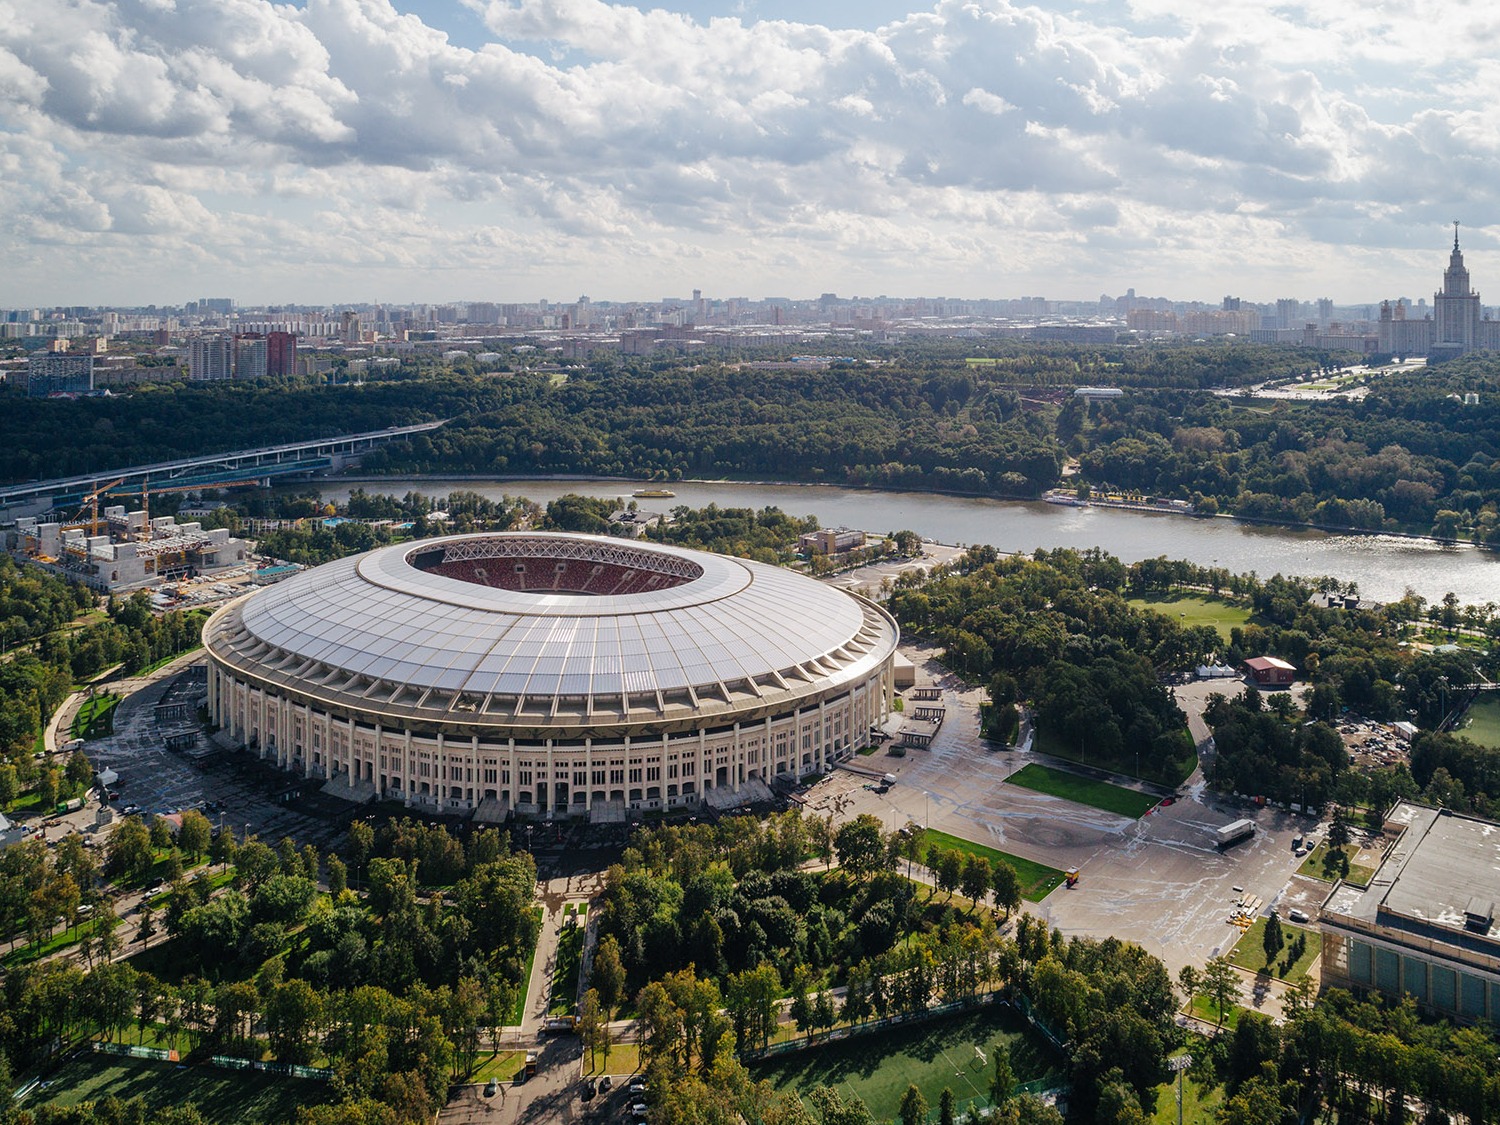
<point x="378" y="628"/>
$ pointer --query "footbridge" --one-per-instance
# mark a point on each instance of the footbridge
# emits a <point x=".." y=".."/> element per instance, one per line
<point x="208" y="471"/>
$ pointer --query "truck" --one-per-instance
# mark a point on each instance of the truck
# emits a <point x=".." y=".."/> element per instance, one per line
<point x="69" y="806"/>
<point x="560" y="1025"/>
<point x="530" y="1071"/>
<point x="1235" y="832"/>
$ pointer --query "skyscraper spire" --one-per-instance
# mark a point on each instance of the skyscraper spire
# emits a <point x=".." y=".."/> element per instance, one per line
<point x="1455" y="234"/>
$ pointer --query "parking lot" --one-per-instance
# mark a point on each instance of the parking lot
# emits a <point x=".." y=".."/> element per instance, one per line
<point x="1160" y="881"/>
<point x="154" y="779"/>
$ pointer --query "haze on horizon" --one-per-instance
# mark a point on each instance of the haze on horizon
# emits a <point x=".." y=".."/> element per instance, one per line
<point x="505" y="150"/>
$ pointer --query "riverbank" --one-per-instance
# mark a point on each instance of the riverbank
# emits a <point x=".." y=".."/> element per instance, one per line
<point x="1383" y="566"/>
<point x="1060" y="498"/>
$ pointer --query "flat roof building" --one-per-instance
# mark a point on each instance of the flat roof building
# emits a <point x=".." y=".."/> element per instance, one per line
<point x="1425" y="927"/>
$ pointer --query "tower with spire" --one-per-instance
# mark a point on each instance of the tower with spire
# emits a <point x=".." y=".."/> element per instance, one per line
<point x="1456" y="310"/>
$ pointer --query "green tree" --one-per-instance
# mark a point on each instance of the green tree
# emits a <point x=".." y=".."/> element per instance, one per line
<point x="1006" y="885"/>
<point x="913" y="1109"/>
<point x="860" y="844"/>
<point x="976" y="878"/>
<point x="1003" y="1081"/>
<point x="1221" y="984"/>
<point x="946" y="1107"/>
<point x="128" y="854"/>
<point x="607" y="974"/>
<point x="195" y="834"/>
<point x="1272" y="938"/>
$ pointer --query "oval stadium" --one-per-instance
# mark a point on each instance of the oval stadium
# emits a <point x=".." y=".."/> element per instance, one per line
<point x="550" y="675"/>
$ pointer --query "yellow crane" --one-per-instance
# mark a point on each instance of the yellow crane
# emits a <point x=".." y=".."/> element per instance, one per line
<point x="91" y="506"/>
<point x="147" y="489"/>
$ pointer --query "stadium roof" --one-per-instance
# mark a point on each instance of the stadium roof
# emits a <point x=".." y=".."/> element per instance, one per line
<point x="378" y="627"/>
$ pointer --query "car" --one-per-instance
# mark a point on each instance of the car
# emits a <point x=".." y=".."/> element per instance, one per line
<point x="638" y="1087"/>
<point x="491" y="1088"/>
<point x="606" y="1084"/>
<point x="1165" y="801"/>
<point x="1297" y="915"/>
<point x="131" y="810"/>
<point x="640" y="1111"/>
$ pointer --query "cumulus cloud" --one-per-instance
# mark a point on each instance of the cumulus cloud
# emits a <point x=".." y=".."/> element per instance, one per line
<point x="613" y="145"/>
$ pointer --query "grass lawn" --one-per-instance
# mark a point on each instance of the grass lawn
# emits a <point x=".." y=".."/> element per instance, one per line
<point x="1482" y="723"/>
<point x="624" y="1058"/>
<point x="1083" y="790"/>
<point x="518" y="1009"/>
<point x="1037" y="879"/>
<point x="244" y="1097"/>
<point x="1192" y="610"/>
<point x="96" y="718"/>
<point x="564" y="995"/>
<point x="1249" y="953"/>
<point x="1205" y="1009"/>
<point x="165" y="660"/>
<point x="502" y="1066"/>
<point x="1200" y="1104"/>
<point x="878" y="1067"/>
<point x="24" y="954"/>
<point x="1312" y="866"/>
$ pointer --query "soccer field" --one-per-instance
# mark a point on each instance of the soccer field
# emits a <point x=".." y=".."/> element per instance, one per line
<point x="879" y="1067"/>
<point x="1071" y="787"/>
<point x="239" y="1096"/>
<point x="1482" y="723"/>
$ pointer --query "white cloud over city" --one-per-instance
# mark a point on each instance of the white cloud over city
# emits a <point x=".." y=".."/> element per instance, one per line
<point x="153" y="150"/>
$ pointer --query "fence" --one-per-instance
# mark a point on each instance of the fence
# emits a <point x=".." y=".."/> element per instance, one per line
<point x="286" y="1070"/>
<point x="160" y="1054"/>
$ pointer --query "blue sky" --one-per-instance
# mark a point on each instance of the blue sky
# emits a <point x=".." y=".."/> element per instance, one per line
<point x="339" y="150"/>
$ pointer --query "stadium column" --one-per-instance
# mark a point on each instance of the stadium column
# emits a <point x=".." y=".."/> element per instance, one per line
<point x="442" y="768"/>
<point x="408" y="772"/>
<point x="588" y="772"/>
<point x="821" y="756"/>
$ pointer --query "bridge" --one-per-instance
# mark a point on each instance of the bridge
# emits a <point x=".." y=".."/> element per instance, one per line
<point x="208" y="471"/>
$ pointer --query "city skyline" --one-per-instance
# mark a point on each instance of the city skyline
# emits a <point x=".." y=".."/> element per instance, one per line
<point x="347" y="150"/>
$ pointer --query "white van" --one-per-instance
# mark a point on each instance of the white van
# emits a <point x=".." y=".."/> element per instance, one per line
<point x="889" y="779"/>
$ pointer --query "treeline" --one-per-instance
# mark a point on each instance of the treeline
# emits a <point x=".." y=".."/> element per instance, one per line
<point x="45" y="438"/>
<point x="1411" y="455"/>
<point x="863" y="425"/>
<point x="1366" y="1061"/>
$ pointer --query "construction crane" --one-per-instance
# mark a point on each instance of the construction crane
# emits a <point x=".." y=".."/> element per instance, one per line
<point x="147" y="490"/>
<point x="91" y="506"/>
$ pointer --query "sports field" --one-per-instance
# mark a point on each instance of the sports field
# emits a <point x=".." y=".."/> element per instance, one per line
<point x="1482" y="723"/>
<point x="244" y="1097"/>
<point x="1037" y="879"/>
<point x="1083" y="790"/>
<point x="1196" y="609"/>
<point x="878" y="1067"/>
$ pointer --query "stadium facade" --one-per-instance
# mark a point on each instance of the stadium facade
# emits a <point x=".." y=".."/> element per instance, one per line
<point x="551" y="675"/>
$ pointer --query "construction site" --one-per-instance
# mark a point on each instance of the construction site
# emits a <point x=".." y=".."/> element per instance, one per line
<point x="112" y="549"/>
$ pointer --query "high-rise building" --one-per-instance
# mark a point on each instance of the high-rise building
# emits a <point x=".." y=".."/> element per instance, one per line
<point x="1455" y="327"/>
<point x="250" y="356"/>
<point x="211" y="357"/>
<point x="281" y="354"/>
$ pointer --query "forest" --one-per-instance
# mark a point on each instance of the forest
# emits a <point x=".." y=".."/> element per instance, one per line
<point x="992" y="418"/>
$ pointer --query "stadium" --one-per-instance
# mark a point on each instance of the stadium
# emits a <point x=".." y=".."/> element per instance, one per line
<point x="550" y="675"/>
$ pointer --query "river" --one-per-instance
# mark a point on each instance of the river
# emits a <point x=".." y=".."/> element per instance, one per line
<point x="1384" y="566"/>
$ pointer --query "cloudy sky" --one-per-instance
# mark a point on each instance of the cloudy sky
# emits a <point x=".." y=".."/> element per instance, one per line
<point x="345" y="150"/>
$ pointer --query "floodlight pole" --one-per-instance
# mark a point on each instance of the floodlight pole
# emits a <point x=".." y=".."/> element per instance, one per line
<point x="1177" y="1064"/>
